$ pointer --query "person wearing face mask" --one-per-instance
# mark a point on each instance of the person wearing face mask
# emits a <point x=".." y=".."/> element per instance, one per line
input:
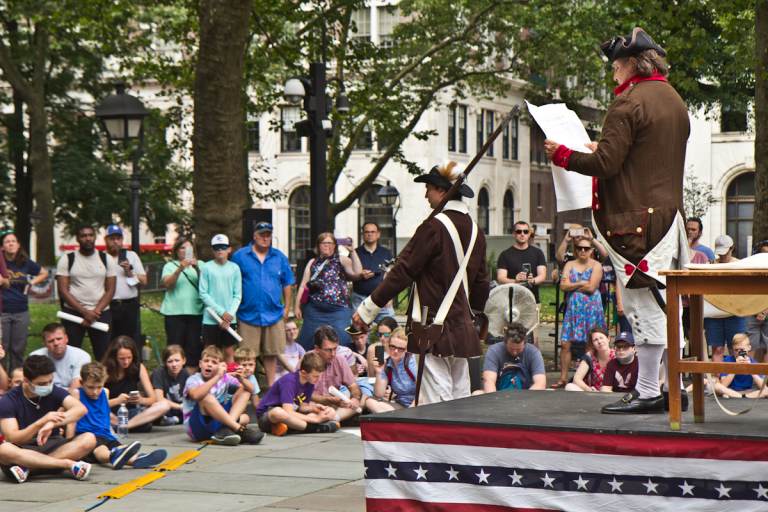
<point x="33" y="415"/>
<point x="621" y="372"/>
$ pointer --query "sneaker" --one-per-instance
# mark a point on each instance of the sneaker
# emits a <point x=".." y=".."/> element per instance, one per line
<point x="149" y="460"/>
<point x="80" y="470"/>
<point x="169" y="421"/>
<point x="251" y="435"/>
<point x="225" y="436"/>
<point x="279" y="429"/>
<point x="328" y="427"/>
<point x="19" y="473"/>
<point x="119" y="455"/>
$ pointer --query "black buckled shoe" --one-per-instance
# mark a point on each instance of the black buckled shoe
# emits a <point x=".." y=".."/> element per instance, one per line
<point x="683" y="400"/>
<point x="632" y="404"/>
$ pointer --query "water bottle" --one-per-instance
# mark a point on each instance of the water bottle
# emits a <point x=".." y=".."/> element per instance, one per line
<point x="146" y="350"/>
<point x="122" y="423"/>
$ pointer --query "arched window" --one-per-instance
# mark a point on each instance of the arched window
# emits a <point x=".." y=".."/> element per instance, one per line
<point x="372" y="209"/>
<point x="298" y="225"/>
<point x="740" y="209"/>
<point x="509" y="212"/>
<point x="483" y="210"/>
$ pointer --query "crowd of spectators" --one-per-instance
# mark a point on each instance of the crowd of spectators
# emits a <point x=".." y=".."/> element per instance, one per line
<point x="228" y="317"/>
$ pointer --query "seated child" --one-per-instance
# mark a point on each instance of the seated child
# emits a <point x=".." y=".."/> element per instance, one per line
<point x="169" y="380"/>
<point x="357" y="362"/>
<point x="17" y="377"/>
<point x="739" y="385"/>
<point x="108" y="449"/>
<point x="246" y="358"/>
<point x="286" y="404"/>
<point x="621" y="372"/>
<point x="215" y="401"/>
<point x="288" y="361"/>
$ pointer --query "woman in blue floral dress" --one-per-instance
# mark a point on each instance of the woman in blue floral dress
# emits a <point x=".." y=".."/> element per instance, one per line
<point x="581" y="277"/>
<point x="323" y="295"/>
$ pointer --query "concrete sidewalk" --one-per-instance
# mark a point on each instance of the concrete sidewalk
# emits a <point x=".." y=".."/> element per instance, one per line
<point x="307" y="472"/>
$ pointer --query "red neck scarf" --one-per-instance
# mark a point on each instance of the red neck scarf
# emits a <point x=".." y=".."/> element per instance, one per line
<point x="656" y="77"/>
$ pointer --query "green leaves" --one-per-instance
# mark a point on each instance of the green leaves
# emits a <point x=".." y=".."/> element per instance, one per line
<point x="92" y="179"/>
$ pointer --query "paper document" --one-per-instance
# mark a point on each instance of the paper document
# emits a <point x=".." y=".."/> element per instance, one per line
<point x="560" y="124"/>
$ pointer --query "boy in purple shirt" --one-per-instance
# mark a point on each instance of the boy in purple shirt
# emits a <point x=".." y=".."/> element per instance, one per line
<point x="215" y="400"/>
<point x="286" y="404"/>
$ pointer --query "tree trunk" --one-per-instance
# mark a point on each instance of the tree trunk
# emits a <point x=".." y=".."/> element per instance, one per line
<point x="760" y="225"/>
<point x="40" y="168"/>
<point x="220" y="181"/>
<point x="22" y="179"/>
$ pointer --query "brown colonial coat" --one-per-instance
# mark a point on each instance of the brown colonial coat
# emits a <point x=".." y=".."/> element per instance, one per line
<point x="640" y="165"/>
<point x="429" y="260"/>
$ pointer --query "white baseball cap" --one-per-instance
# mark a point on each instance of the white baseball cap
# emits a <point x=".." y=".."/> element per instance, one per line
<point x="722" y="244"/>
<point x="220" y="239"/>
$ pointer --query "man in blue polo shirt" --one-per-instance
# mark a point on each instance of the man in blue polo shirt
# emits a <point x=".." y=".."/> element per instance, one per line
<point x="373" y="257"/>
<point x="267" y="277"/>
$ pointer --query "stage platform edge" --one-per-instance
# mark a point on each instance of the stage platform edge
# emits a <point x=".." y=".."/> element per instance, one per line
<point x="546" y="450"/>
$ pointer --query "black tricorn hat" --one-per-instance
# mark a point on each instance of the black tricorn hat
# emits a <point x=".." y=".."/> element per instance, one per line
<point x="626" y="46"/>
<point x="443" y="177"/>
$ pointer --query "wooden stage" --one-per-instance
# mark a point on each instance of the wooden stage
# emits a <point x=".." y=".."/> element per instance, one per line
<point x="553" y="450"/>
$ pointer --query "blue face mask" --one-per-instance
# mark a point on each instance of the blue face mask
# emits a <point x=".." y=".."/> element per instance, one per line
<point x="42" y="391"/>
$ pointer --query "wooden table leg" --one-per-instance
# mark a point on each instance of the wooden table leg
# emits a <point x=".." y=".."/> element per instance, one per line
<point x="673" y="353"/>
<point x="697" y="350"/>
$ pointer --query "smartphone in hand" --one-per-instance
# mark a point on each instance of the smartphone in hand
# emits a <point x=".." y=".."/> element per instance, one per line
<point x="189" y="253"/>
<point x="380" y="353"/>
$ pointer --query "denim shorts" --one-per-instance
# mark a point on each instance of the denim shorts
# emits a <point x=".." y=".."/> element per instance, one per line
<point x="201" y="427"/>
<point x="720" y="331"/>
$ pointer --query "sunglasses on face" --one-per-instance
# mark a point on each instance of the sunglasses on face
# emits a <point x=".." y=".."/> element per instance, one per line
<point x="384" y="334"/>
<point x="582" y="248"/>
<point x="521" y="231"/>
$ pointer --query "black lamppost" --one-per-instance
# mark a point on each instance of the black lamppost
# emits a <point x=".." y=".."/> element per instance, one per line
<point x="389" y="195"/>
<point x="122" y="115"/>
<point x="318" y="128"/>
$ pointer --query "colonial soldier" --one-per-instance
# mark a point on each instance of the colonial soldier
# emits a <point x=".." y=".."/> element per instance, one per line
<point x="446" y="250"/>
<point x="638" y="197"/>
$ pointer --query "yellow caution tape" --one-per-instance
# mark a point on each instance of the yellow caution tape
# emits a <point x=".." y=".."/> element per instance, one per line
<point x="127" y="488"/>
<point x="177" y="461"/>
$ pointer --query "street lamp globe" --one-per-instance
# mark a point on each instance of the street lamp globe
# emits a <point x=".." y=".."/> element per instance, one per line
<point x="121" y="114"/>
<point x="293" y="91"/>
<point x="388" y="194"/>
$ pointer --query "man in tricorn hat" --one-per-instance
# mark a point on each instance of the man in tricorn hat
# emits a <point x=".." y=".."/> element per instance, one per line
<point x="431" y="261"/>
<point x="637" y="198"/>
